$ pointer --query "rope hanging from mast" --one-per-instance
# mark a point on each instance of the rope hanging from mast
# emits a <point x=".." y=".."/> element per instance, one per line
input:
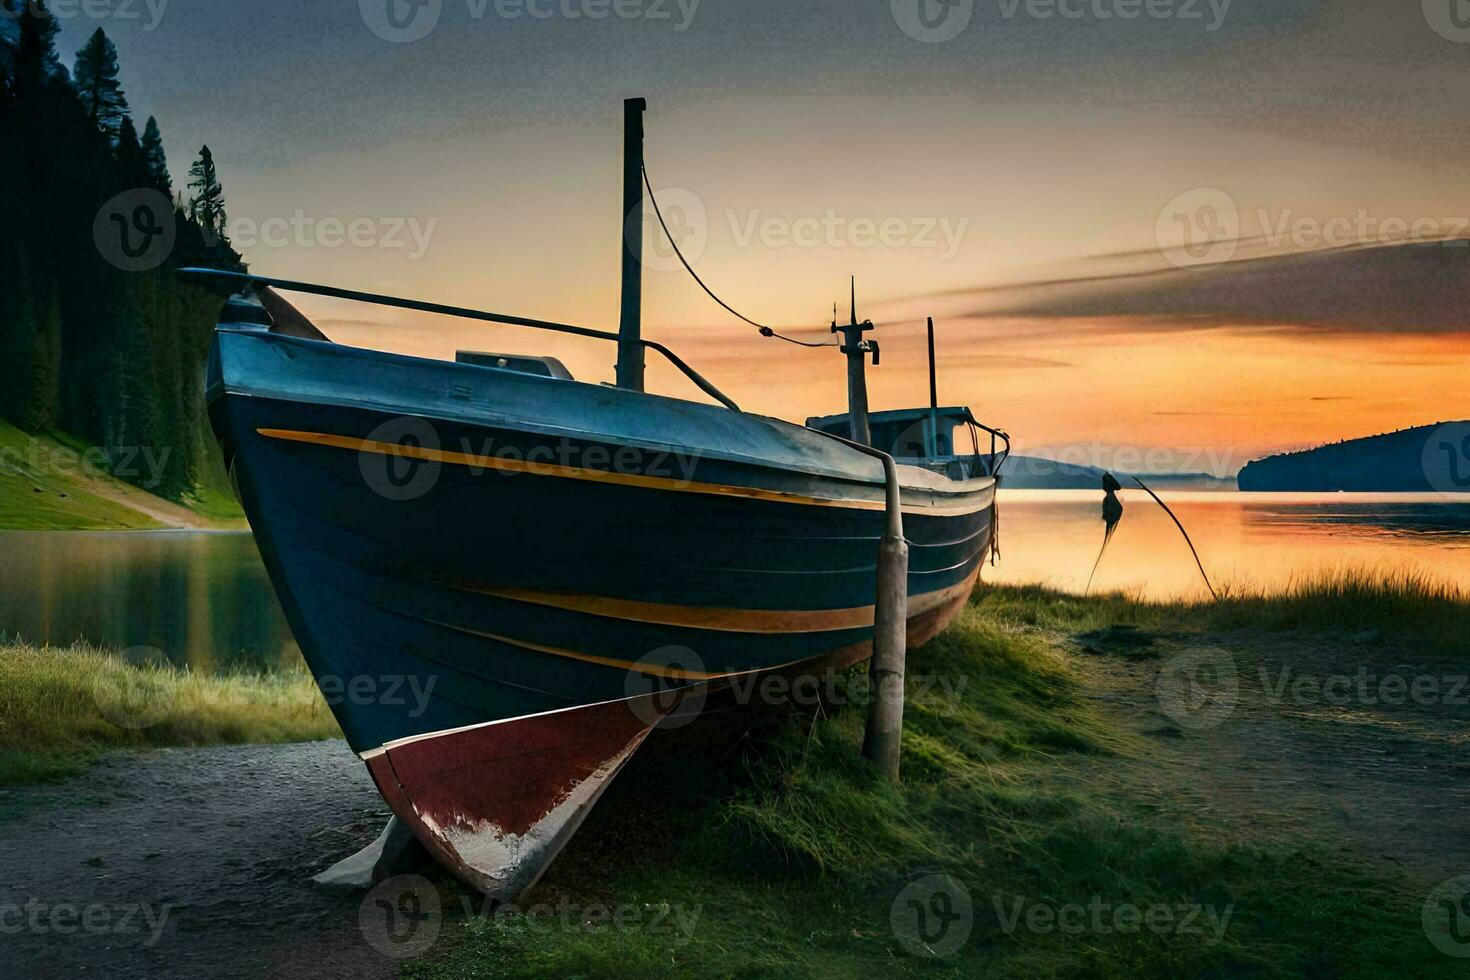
<point x="765" y="330"/>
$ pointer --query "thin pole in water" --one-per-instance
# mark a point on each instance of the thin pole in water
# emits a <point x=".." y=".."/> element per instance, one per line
<point x="1180" y="525"/>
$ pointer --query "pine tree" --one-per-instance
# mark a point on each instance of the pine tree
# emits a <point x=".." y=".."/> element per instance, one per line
<point x="95" y="77"/>
<point x="40" y="382"/>
<point x="208" y="205"/>
<point x="130" y="158"/>
<point x="154" y="161"/>
<point x="35" y="53"/>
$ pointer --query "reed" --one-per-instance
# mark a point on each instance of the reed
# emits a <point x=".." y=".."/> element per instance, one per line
<point x="1408" y="607"/>
<point x="60" y="707"/>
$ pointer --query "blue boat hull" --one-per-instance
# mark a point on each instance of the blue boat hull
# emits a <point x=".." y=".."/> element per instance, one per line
<point x="459" y="547"/>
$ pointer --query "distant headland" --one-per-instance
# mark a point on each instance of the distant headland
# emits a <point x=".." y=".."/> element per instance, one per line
<point x="1406" y="461"/>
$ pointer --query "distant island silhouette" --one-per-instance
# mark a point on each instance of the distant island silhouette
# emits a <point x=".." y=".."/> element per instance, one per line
<point x="1394" y="462"/>
<point x="1040" y="473"/>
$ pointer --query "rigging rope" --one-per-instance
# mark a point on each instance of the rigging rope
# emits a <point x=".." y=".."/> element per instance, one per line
<point x="765" y="330"/>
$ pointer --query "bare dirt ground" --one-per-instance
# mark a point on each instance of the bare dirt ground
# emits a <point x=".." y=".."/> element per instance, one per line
<point x="190" y="863"/>
<point x="1331" y="745"/>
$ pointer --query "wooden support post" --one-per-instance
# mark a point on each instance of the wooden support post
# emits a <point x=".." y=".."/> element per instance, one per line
<point x="883" y="739"/>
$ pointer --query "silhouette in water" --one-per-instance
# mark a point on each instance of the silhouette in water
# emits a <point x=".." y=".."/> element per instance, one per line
<point x="1112" y="514"/>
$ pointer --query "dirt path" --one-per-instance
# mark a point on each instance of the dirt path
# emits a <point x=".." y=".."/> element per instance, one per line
<point x="1265" y="735"/>
<point x="189" y="863"/>
<point x="165" y="512"/>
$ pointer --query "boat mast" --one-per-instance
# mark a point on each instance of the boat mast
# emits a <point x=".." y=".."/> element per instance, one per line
<point x="932" y="436"/>
<point x="630" y="329"/>
<point x="856" y="349"/>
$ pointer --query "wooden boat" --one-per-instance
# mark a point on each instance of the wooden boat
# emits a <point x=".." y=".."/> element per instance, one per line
<point x="505" y="578"/>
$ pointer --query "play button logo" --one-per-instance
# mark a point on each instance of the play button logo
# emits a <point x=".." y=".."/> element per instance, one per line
<point x="401" y="21"/>
<point x="1449" y="18"/>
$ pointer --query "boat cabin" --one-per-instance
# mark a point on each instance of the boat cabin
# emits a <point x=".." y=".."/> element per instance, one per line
<point x="947" y="440"/>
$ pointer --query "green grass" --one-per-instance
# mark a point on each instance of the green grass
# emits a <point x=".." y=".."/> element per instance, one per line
<point x="59" y="708"/>
<point x="218" y="506"/>
<point x="792" y="853"/>
<point x="40" y="489"/>
<point x="53" y="482"/>
<point x="1429" y="615"/>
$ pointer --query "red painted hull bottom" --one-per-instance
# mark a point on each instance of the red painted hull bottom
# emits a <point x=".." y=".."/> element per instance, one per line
<point x="495" y="803"/>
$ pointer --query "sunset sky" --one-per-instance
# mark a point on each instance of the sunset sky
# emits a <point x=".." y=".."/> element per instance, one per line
<point x="1059" y="191"/>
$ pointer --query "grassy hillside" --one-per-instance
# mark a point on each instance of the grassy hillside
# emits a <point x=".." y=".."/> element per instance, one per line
<point x="51" y="482"/>
<point x="1027" y="783"/>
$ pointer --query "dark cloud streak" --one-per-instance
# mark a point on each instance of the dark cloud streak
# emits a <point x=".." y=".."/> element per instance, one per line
<point x="1387" y="289"/>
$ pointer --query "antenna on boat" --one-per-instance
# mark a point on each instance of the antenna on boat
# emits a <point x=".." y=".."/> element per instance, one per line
<point x="933" y="371"/>
<point x="630" y="328"/>
<point x="857" y="349"/>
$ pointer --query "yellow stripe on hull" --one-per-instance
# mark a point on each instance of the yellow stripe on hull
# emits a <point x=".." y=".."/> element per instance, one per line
<point x="502" y="465"/>
<point x="727" y="620"/>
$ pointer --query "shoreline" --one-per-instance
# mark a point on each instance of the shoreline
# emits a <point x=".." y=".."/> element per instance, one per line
<point x="1053" y="769"/>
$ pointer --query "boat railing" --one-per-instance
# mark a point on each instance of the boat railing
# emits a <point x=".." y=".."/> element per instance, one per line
<point x="998" y="455"/>
<point x="252" y="283"/>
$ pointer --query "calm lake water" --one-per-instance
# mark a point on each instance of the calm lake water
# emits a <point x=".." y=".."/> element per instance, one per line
<point x="1261" y="540"/>
<point x="200" y="598"/>
<point x="203" y="598"/>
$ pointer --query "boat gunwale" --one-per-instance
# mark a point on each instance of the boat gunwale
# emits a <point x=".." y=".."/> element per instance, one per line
<point x="225" y="387"/>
